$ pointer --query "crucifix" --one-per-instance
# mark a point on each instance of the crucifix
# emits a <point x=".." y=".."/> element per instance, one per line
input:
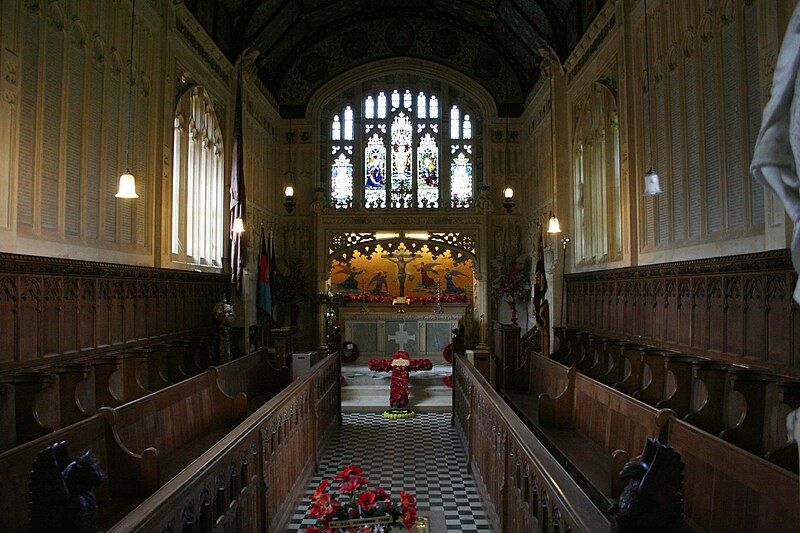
<point x="401" y="257"/>
<point x="399" y="365"/>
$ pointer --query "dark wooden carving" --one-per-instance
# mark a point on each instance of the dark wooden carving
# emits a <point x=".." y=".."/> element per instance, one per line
<point x="653" y="499"/>
<point x="728" y="308"/>
<point x="62" y="497"/>
<point x="59" y="308"/>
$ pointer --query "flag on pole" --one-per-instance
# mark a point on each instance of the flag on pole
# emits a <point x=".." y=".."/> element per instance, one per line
<point x="539" y="281"/>
<point x="264" y="285"/>
<point x="238" y="198"/>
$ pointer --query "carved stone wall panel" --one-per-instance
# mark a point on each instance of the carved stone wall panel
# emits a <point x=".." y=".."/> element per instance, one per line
<point x="57" y="308"/>
<point x="728" y="307"/>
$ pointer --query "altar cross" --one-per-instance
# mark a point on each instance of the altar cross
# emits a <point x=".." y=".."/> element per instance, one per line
<point x="401" y="336"/>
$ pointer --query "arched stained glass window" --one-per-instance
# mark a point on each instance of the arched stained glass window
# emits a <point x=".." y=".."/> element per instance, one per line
<point x="415" y="155"/>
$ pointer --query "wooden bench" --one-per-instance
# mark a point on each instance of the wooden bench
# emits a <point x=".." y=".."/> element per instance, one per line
<point x="253" y="375"/>
<point x="161" y="433"/>
<point x="729" y="489"/>
<point x="114" y="496"/>
<point x="21" y="402"/>
<point x="589" y="427"/>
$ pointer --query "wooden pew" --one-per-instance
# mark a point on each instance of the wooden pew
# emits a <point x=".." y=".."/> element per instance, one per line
<point x="67" y="403"/>
<point x="253" y="375"/>
<point x="114" y="497"/>
<point x="729" y="489"/>
<point x="162" y="432"/>
<point x="785" y="454"/>
<point x="549" y="400"/>
<point x="22" y="401"/>
<point x="682" y="369"/>
<point x="717" y="377"/>
<point x="654" y="390"/>
<point x="760" y="392"/>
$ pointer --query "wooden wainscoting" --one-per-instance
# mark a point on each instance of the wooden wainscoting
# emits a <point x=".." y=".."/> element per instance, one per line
<point x="53" y="309"/>
<point x="731" y="307"/>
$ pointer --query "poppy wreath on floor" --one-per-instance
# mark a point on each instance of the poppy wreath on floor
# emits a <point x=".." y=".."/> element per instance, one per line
<point x="349" y="351"/>
<point x="399" y="413"/>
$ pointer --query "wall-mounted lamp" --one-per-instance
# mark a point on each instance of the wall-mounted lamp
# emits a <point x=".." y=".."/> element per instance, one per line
<point x="238" y="226"/>
<point x="289" y="203"/>
<point x="508" y="203"/>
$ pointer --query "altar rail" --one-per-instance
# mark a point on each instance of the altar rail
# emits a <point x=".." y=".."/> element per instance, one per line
<point x="61" y="308"/>
<point x="523" y="487"/>
<point x="252" y="478"/>
<point x="732" y="307"/>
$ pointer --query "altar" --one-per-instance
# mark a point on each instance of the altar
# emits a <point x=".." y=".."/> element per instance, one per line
<point x="417" y="329"/>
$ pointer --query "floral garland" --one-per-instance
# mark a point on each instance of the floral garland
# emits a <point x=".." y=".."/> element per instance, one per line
<point x="424" y="300"/>
<point x="349" y="351"/>
<point x="358" y="504"/>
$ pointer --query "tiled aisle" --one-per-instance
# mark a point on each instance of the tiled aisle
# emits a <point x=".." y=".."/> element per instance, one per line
<point x="421" y="455"/>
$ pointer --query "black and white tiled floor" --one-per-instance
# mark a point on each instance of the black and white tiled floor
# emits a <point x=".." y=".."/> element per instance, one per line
<point x="421" y="455"/>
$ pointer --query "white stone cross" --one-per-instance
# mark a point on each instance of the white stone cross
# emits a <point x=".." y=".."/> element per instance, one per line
<point x="401" y="337"/>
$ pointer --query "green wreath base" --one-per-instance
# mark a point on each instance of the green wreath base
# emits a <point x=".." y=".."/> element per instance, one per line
<point x="398" y="413"/>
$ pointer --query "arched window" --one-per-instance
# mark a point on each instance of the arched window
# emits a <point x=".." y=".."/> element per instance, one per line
<point x="198" y="181"/>
<point x="596" y="179"/>
<point x="408" y="144"/>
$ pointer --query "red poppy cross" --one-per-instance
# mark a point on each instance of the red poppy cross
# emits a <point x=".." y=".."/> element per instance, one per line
<point x="399" y="365"/>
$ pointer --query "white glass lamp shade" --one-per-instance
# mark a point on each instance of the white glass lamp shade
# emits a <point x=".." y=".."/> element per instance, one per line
<point x="127" y="186"/>
<point x="553" y="226"/>
<point x="508" y="193"/>
<point x="238" y="225"/>
<point x="289" y="191"/>
<point x="652" y="185"/>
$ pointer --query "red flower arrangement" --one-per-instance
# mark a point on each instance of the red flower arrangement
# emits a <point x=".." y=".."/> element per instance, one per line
<point x="360" y="509"/>
<point x="424" y="300"/>
<point x="511" y="281"/>
<point x="447" y="353"/>
<point x="398" y="389"/>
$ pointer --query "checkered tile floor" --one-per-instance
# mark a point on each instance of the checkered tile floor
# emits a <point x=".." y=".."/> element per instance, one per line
<point x="422" y="455"/>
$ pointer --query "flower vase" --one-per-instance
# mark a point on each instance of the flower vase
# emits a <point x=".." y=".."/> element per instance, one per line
<point x="513" y="306"/>
<point x="225" y="323"/>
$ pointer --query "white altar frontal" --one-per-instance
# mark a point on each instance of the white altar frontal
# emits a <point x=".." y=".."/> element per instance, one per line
<point x="416" y="329"/>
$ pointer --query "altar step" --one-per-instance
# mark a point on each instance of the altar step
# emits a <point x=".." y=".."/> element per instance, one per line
<point x="368" y="392"/>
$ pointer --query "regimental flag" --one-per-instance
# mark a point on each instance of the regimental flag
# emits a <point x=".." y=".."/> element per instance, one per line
<point x="238" y="198"/>
<point x="264" y="282"/>
<point x="539" y="281"/>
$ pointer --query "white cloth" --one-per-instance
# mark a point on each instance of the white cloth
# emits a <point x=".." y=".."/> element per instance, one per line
<point x="777" y="151"/>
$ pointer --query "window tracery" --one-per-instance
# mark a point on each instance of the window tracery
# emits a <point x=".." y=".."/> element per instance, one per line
<point x="414" y="155"/>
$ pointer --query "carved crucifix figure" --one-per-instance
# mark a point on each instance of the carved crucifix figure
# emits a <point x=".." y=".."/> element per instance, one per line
<point x="399" y="365"/>
<point x="401" y="257"/>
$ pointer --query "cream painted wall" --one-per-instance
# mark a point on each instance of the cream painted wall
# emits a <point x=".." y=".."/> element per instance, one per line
<point x="706" y="113"/>
<point x="63" y="127"/>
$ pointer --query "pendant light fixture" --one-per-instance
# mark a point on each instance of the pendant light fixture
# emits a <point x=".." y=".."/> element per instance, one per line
<point x="289" y="202"/>
<point x="652" y="185"/>
<point x="508" y="192"/>
<point x="127" y="183"/>
<point x="553" y="226"/>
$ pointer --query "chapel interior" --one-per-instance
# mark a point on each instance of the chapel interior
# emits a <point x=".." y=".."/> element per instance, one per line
<point x="481" y="265"/>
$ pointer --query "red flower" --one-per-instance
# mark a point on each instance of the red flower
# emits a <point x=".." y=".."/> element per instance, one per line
<point x="448" y="381"/>
<point x="380" y="494"/>
<point x="366" y="500"/>
<point x="313" y="530"/>
<point x="324" y="506"/>
<point x="352" y="485"/>
<point x="349" y="471"/>
<point x="409" y="507"/>
<point x="320" y="490"/>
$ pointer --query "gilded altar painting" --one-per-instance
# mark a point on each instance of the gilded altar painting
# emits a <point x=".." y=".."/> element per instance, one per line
<point x="402" y="272"/>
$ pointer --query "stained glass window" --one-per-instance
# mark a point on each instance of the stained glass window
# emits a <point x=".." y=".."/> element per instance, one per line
<point x="342" y="181"/>
<point x="461" y="181"/>
<point x="375" y="172"/>
<point x="401" y="161"/>
<point x="455" y="123"/>
<point x="404" y="134"/>
<point x="348" y="123"/>
<point x="427" y="172"/>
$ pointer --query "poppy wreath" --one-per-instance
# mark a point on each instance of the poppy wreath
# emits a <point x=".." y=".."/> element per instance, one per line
<point x="349" y="351"/>
<point x="356" y="505"/>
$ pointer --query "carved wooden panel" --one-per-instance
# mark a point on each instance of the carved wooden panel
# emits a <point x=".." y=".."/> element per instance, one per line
<point x="731" y="306"/>
<point x="52" y="308"/>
